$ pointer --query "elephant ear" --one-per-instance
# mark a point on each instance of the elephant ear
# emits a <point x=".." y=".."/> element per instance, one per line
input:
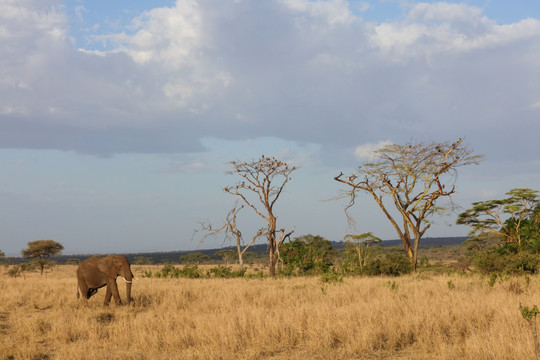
<point x="105" y="265"/>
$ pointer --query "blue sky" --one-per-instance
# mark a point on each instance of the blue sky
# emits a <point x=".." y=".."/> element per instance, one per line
<point x="118" y="119"/>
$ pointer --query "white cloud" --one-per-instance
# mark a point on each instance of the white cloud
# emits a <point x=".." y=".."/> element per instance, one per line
<point x="332" y="11"/>
<point x="298" y="70"/>
<point x="439" y="28"/>
<point x="366" y="151"/>
<point x="443" y="11"/>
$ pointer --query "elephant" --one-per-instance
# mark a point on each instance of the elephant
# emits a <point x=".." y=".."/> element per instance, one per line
<point x="95" y="273"/>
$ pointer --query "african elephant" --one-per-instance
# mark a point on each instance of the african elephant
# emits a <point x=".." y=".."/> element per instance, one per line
<point x="95" y="273"/>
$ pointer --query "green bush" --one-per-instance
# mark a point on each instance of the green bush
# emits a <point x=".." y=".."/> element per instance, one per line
<point x="393" y="264"/>
<point x="190" y="272"/>
<point x="507" y="262"/>
<point x="166" y="271"/>
<point x="522" y="263"/>
<point x="489" y="262"/>
<point x="225" y="272"/>
<point x="308" y="254"/>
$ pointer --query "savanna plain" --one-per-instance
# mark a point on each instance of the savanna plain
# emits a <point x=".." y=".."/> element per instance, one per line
<point x="420" y="316"/>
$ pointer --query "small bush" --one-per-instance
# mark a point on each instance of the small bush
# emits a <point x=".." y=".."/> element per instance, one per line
<point x="522" y="263"/>
<point x="492" y="279"/>
<point x="15" y="271"/>
<point x="166" y="271"/>
<point x="225" y="272"/>
<point x="393" y="264"/>
<point x="508" y="263"/>
<point x="190" y="272"/>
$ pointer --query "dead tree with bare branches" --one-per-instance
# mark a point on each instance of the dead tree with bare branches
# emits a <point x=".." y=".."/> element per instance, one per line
<point x="262" y="183"/>
<point x="413" y="177"/>
<point x="230" y="230"/>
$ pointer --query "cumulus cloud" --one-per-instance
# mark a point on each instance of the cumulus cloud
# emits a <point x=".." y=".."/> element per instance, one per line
<point x="298" y="70"/>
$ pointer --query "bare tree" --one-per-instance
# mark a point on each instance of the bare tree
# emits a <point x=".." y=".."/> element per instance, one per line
<point x="413" y="177"/>
<point x="230" y="229"/>
<point x="262" y="183"/>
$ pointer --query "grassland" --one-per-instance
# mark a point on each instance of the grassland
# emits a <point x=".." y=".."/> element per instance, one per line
<point x="410" y="317"/>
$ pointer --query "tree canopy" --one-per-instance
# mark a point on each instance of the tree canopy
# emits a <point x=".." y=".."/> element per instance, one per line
<point x="410" y="178"/>
<point x="516" y="217"/>
<point x="41" y="250"/>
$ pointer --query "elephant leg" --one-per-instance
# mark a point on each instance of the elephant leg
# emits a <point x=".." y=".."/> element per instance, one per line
<point x="83" y="290"/>
<point x="108" y="295"/>
<point x="114" y="290"/>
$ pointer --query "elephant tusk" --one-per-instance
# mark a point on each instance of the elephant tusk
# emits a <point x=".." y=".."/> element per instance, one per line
<point x="129" y="282"/>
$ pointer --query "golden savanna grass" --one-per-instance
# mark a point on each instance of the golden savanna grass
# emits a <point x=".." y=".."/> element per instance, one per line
<point x="410" y="317"/>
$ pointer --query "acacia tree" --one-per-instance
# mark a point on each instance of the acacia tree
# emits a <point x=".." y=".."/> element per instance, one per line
<point x="262" y="183"/>
<point x="230" y="229"/>
<point x="362" y="246"/>
<point x="40" y="251"/>
<point x="411" y="178"/>
<point x="515" y="218"/>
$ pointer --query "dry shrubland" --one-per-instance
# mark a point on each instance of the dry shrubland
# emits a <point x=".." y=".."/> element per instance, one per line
<point x="408" y="317"/>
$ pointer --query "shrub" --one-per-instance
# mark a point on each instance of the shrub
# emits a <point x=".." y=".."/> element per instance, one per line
<point x="392" y="264"/>
<point x="308" y="254"/>
<point x="489" y="262"/>
<point x="522" y="263"/>
<point x="165" y="271"/>
<point x="508" y="263"/>
<point x="15" y="271"/>
<point x="225" y="272"/>
<point x="190" y="272"/>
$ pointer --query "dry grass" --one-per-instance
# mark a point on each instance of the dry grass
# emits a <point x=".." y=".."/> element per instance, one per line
<point x="412" y="317"/>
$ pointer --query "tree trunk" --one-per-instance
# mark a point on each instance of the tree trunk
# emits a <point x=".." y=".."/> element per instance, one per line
<point x="417" y="237"/>
<point x="273" y="261"/>
<point x="240" y="260"/>
<point x="272" y="246"/>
